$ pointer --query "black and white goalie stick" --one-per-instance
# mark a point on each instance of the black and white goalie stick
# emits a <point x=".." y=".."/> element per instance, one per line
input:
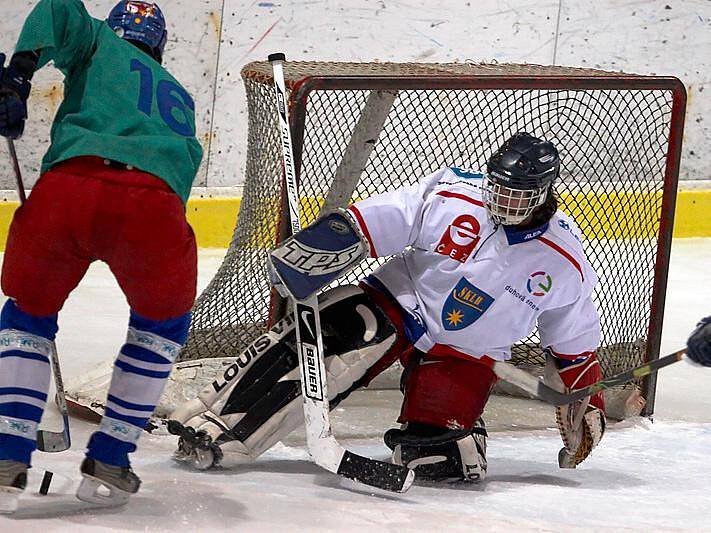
<point x="322" y="445"/>
<point x="47" y="441"/>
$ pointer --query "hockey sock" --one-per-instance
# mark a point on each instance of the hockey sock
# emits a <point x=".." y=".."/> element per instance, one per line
<point x="25" y="347"/>
<point x="140" y="374"/>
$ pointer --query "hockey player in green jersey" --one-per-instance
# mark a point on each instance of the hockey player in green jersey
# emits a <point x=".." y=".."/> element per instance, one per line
<point x="114" y="181"/>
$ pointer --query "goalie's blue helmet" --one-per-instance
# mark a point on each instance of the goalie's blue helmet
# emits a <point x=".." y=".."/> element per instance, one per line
<point x="142" y="22"/>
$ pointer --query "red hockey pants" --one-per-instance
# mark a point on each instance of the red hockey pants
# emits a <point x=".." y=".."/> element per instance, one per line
<point x="82" y="211"/>
<point x="444" y="390"/>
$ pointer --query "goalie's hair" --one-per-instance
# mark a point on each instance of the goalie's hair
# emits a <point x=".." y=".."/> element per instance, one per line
<point x="543" y="213"/>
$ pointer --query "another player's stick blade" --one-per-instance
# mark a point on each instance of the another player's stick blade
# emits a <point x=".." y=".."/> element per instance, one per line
<point x="52" y="442"/>
<point x="386" y="476"/>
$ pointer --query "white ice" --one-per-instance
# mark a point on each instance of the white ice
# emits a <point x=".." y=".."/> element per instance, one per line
<point x="644" y="476"/>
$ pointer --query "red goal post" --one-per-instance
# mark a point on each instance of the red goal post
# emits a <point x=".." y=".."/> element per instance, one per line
<point x="364" y="128"/>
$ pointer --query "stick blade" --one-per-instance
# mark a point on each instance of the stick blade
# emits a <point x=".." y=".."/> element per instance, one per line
<point x="51" y="442"/>
<point x="386" y="476"/>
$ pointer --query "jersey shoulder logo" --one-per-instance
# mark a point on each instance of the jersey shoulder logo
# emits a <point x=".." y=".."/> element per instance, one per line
<point x="460" y="238"/>
<point x="570" y="228"/>
<point x="466" y="173"/>
<point x="464" y="306"/>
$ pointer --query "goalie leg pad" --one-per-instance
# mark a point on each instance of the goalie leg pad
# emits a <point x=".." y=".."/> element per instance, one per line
<point x="256" y="402"/>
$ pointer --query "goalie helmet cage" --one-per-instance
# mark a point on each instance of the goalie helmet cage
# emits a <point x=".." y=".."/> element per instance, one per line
<point x="364" y="128"/>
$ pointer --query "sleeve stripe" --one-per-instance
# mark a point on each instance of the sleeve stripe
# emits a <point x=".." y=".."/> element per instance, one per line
<point x="572" y="357"/>
<point x="562" y="252"/>
<point x="361" y="222"/>
<point x="449" y="194"/>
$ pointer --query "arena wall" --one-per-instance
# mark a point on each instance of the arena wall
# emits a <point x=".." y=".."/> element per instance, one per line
<point x="211" y="40"/>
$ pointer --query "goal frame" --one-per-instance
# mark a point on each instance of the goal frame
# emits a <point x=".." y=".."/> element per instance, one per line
<point x="573" y="79"/>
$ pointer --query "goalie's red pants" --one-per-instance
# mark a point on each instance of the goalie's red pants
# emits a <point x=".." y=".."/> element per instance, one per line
<point x="83" y="210"/>
<point x="442" y="388"/>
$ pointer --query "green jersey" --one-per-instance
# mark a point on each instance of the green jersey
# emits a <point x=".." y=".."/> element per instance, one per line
<point x="119" y="103"/>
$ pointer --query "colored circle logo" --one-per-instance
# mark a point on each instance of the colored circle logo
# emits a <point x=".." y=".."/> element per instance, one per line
<point x="539" y="283"/>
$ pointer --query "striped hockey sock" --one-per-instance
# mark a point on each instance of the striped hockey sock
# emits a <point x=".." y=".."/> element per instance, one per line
<point x="25" y="346"/>
<point x="140" y="374"/>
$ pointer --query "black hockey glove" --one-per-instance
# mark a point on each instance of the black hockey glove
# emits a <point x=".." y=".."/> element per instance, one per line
<point x="14" y="91"/>
<point x="698" y="347"/>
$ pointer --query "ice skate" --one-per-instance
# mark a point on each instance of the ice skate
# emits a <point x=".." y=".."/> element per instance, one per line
<point x="106" y="485"/>
<point x="195" y="447"/>
<point x="13" y="479"/>
<point x="441" y="455"/>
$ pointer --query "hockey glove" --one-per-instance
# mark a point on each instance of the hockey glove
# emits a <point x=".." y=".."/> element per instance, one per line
<point x="310" y="260"/>
<point x="14" y="92"/>
<point x="698" y="347"/>
<point x="581" y="424"/>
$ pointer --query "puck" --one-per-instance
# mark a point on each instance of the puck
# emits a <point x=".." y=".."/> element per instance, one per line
<point x="46" y="480"/>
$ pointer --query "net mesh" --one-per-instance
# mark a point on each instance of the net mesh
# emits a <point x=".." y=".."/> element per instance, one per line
<point x="613" y="145"/>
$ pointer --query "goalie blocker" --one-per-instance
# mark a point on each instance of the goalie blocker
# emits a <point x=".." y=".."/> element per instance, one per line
<point x="310" y="260"/>
<point x="256" y="402"/>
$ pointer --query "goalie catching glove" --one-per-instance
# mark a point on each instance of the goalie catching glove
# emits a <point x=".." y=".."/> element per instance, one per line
<point x="581" y="424"/>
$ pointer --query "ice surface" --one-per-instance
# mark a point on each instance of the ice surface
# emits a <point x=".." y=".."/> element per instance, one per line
<point x="644" y="476"/>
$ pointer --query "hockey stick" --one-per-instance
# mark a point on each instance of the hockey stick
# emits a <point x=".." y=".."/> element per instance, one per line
<point x="540" y="390"/>
<point x="322" y="445"/>
<point x="47" y="441"/>
<point x="16" y="168"/>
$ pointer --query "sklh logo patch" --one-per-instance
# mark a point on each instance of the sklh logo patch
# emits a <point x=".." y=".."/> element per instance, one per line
<point x="460" y="239"/>
<point x="464" y="305"/>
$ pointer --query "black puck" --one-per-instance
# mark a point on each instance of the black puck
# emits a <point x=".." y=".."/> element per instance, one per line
<point x="46" y="480"/>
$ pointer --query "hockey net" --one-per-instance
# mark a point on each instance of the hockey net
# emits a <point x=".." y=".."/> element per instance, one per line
<point x="363" y="129"/>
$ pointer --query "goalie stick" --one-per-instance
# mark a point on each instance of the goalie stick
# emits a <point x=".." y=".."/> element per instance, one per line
<point x="322" y="445"/>
<point x="47" y="441"/>
<point x="540" y="390"/>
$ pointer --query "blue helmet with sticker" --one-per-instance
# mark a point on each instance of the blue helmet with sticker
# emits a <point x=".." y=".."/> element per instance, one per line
<point x="140" y="22"/>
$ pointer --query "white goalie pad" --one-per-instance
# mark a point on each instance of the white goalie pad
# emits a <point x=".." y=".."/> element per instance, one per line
<point x="86" y="394"/>
<point x="198" y="391"/>
<point x="253" y="405"/>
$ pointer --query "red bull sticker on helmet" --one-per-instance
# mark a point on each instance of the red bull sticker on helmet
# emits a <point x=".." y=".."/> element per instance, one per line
<point x="141" y="8"/>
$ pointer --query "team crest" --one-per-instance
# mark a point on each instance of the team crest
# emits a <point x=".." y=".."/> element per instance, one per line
<point x="460" y="239"/>
<point x="464" y="305"/>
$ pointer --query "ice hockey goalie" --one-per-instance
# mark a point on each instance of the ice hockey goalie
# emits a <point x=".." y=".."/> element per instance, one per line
<point x="478" y="261"/>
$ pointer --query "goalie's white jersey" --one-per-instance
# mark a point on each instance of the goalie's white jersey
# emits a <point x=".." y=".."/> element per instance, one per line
<point x="470" y="287"/>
